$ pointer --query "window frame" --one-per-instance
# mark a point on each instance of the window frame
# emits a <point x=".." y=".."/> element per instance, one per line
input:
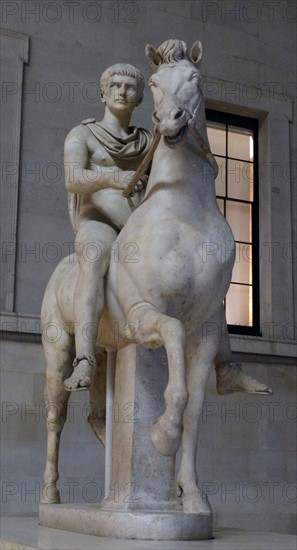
<point x="251" y="124"/>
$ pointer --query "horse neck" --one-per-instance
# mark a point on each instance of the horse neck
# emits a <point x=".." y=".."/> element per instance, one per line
<point x="200" y="123"/>
<point x="183" y="163"/>
<point x="181" y="182"/>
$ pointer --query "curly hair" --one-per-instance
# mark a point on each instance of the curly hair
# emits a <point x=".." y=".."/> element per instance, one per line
<point x="124" y="69"/>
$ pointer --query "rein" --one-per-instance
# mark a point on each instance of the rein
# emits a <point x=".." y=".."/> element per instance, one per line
<point x="204" y="149"/>
<point x="143" y="166"/>
<point x="206" y="152"/>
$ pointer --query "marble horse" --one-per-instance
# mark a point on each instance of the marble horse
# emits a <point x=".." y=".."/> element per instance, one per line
<point x="173" y="290"/>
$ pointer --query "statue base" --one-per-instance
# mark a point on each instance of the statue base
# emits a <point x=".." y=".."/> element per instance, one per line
<point x="90" y="519"/>
<point x="140" y="500"/>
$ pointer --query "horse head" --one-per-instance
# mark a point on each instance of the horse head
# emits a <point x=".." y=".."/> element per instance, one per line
<point x="176" y="87"/>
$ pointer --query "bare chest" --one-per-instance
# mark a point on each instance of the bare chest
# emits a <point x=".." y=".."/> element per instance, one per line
<point x="98" y="155"/>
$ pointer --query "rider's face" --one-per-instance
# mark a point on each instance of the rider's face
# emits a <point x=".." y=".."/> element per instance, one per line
<point x="121" y="93"/>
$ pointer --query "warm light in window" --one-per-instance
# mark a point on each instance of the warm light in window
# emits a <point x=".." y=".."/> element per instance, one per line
<point x="251" y="148"/>
<point x="233" y="147"/>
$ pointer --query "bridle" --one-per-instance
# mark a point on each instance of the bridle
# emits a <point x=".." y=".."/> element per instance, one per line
<point x="204" y="150"/>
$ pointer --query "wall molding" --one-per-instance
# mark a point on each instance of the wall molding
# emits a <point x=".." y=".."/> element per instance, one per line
<point x="245" y="99"/>
<point x="14" y="53"/>
<point x="274" y="112"/>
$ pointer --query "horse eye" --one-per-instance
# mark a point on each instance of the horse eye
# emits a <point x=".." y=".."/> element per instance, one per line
<point x="194" y="76"/>
<point x="151" y="84"/>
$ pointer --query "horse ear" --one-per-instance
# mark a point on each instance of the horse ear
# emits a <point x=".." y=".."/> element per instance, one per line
<point x="153" y="56"/>
<point x="196" y="53"/>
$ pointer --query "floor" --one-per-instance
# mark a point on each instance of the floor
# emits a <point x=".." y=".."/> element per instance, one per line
<point x="24" y="534"/>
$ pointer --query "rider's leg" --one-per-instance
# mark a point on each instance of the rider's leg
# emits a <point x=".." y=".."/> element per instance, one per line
<point x="93" y="244"/>
<point x="230" y="376"/>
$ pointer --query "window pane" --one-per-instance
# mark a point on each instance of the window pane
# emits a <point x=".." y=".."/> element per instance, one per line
<point x="242" y="270"/>
<point x="240" y="143"/>
<point x="239" y="305"/>
<point x="239" y="217"/>
<point x="240" y="180"/>
<point x="221" y="177"/>
<point x="217" y="138"/>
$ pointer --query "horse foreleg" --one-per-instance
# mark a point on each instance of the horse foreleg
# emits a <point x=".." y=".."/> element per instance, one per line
<point x="58" y="369"/>
<point x="154" y="330"/>
<point x="199" y="360"/>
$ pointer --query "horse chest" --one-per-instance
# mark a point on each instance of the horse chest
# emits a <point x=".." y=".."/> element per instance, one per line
<point x="175" y="268"/>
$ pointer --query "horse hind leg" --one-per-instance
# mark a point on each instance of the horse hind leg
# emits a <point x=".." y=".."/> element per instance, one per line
<point x="59" y="367"/>
<point x="97" y="416"/>
<point x="154" y="329"/>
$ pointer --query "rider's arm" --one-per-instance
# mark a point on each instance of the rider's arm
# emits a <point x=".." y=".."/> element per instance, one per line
<point x="78" y="177"/>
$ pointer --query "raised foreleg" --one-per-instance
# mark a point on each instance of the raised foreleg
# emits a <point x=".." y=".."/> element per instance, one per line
<point x="59" y="366"/>
<point x="154" y="329"/>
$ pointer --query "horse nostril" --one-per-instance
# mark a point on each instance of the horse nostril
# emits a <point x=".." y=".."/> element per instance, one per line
<point x="179" y="114"/>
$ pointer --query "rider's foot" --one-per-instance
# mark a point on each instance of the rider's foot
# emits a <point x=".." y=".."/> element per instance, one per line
<point x="81" y="376"/>
<point x="231" y="378"/>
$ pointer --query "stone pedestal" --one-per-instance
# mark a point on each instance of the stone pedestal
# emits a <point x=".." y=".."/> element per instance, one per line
<point x="141" y="502"/>
<point x="142" y="478"/>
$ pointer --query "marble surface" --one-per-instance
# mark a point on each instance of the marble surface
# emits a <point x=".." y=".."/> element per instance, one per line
<point x="21" y="533"/>
<point x="155" y="292"/>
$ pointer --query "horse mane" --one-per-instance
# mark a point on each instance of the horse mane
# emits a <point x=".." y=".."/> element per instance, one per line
<point x="172" y="51"/>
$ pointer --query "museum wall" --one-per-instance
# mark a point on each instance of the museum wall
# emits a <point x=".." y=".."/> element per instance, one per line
<point x="248" y="68"/>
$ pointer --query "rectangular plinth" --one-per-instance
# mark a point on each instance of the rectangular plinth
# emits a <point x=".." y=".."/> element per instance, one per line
<point x="146" y="525"/>
<point x="21" y="533"/>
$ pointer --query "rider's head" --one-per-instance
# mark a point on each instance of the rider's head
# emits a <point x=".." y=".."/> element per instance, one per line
<point x="123" y="73"/>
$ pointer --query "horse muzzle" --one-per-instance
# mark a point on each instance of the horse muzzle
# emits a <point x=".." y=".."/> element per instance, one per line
<point x="176" y="138"/>
<point x="171" y="122"/>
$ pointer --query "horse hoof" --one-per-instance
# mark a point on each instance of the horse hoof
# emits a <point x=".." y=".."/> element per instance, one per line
<point x="196" y="503"/>
<point x="50" y="495"/>
<point x="166" y="441"/>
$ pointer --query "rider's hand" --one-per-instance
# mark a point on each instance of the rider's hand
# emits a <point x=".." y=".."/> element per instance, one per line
<point x="124" y="180"/>
<point x="140" y="185"/>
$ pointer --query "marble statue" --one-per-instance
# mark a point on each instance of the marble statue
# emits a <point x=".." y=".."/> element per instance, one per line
<point x="166" y="296"/>
<point x="99" y="162"/>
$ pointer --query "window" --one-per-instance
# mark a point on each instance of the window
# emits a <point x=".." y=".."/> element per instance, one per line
<point x="233" y="141"/>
